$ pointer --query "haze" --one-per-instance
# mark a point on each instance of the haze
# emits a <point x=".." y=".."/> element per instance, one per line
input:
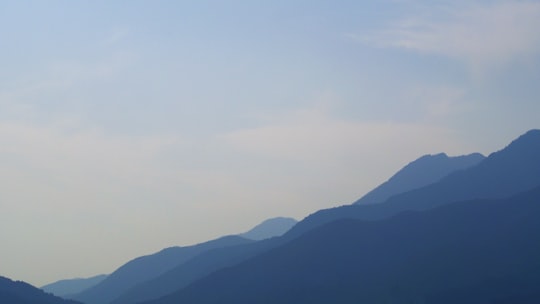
<point x="130" y="126"/>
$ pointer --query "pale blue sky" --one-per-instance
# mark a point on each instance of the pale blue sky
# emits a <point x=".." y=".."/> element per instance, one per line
<point x="129" y="126"/>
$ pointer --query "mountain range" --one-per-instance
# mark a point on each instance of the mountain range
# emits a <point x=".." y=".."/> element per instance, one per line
<point x="69" y="287"/>
<point x="509" y="171"/>
<point x="17" y="292"/>
<point x="137" y="277"/>
<point x="148" y="267"/>
<point x="441" y="230"/>
<point x="270" y="228"/>
<point x="517" y="153"/>
<point x="516" y="169"/>
<point x="425" y="170"/>
<point x="478" y="251"/>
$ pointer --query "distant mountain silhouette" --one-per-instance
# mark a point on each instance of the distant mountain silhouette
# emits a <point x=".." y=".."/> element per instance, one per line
<point x="211" y="261"/>
<point x="425" y="170"/>
<point x="194" y="269"/>
<point x="148" y="267"/>
<point x="69" y="287"/>
<point x="17" y="292"/>
<point x="514" y="169"/>
<point x="270" y="228"/>
<point x="480" y="251"/>
<point x="207" y="262"/>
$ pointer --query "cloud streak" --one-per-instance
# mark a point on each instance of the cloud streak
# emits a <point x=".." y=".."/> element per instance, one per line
<point x="480" y="34"/>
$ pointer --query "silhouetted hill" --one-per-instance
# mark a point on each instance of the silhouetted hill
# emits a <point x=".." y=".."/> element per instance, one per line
<point x="423" y="171"/>
<point x="69" y="287"/>
<point x="480" y="251"/>
<point x="207" y="262"/>
<point x="270" y="228"/>
<point x="17" y="292"/>
<point x="226" y="257"/>
<point x="514" y="169"/>
<point x="148" y="267"/>
<point x="195" y="269"/>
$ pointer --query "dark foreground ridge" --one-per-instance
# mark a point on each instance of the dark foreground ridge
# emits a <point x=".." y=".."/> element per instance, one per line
<point x="17" y="292"/>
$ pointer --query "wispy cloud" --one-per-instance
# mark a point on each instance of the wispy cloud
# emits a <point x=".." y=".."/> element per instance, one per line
<point x="480" y="34"/>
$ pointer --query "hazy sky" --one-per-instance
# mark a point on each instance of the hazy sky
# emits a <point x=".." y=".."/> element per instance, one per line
<point x="130" y="126"/>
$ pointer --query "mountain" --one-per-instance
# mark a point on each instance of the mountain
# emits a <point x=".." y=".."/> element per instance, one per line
<point x="148" y="267"/>
<point x="478" y="251"/>
<point x="203" y="263"/>
<point x="511" y="170"/>
<point x="69" y="287"/>
<point x="425" y="170"/>
<point x="270" y="228"/>
<point x="18" y="292"/>
<point x="209" y="262"/>
<point x="195" y="269"/>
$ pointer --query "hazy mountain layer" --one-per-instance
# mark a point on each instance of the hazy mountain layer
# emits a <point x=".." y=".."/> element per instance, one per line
<point x="148" y="267"/>
<point x="17" y="292"/>
<point x="195" y="269"/>
<point x="514" y="169"/>
<point x="481" y="251"/>
<point x="425" y="170"/>
<point x="517" y="153"/>
<point x="69" y="287"/>
<point x="270" y="228"/>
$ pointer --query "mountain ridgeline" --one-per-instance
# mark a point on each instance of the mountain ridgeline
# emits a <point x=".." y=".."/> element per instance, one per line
<point x="147" y="268"/>
<point x="69" y="287"/>
<point x="426" y="170"/>
<point x="442" y="230"/>
<point x="270" y="228"/>
<point x="478" y="251"/>
<point x="438" y="242"/>
<point x="514" y="169"/>
<point x="17" y="292"/>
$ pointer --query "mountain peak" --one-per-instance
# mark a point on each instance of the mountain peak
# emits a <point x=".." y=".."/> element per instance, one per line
<point x="15" y="292"/>
<point x="270" y="228"/>
<point x="424" y="170"/>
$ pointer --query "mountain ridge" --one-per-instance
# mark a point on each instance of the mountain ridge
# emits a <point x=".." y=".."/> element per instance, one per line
<point x="147" y="267"/>
<point x="421" y="256"/>
<point x="272" y="227"/>
<point x="19" y="292"/>
<point x="68" y="287"/>
<point x="513" y="169"/>
<point x="423" y="171"/>
<point x="209" y="262"/>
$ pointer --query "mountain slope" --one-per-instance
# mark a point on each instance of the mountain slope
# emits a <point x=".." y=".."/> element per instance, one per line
<point x="511" y="170"/>
<point x="195" y="269"/>
<point x="68" y="287"/>
<point x="481" y="251"/>
<point x="18" y="292"/>
<point x="423" y="171"/>
<point x="209" y="261"/>
<point x="270" y="228"/>
<point x="227" y="257"/>
<point x="148" y="267"/>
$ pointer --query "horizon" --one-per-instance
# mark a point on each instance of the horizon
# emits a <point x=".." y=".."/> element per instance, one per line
<point x="129" y="127"/>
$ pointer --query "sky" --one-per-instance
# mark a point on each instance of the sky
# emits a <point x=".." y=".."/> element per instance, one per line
<point x="131" y="126"/>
